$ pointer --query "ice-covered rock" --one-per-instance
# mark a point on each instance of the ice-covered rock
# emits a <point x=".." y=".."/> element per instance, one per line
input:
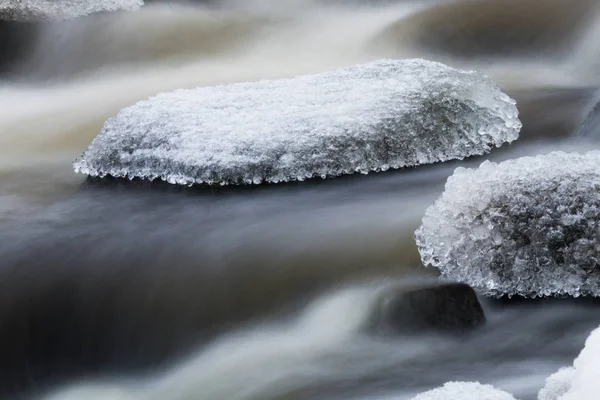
<point x="35" y="10"/>
<point x="580" y="382"/>
<point x="371" y="117"/>
<point x="529" y="226"/>
<point x="465" y="391"/>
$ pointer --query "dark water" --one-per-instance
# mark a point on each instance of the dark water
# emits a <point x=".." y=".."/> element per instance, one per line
<point x="151" y="292"/>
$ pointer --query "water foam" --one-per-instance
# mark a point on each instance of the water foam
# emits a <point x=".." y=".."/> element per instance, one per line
<point x="287" y="354"/>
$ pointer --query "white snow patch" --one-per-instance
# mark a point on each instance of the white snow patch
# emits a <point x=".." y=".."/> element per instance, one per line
<point x="465" y="391"/>
<point x="580" y="382"/>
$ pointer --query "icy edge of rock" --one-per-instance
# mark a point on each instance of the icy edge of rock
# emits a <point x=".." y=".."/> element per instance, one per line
<point x="557" y="384"/>
<point x="528" y="226"/>
<point x="465" y="391"/>
<point x="377" y="116"/>
<point x="39" y="10"/>
<point x="579" y="382"/>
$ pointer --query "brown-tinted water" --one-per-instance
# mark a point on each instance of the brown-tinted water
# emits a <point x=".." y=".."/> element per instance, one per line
<point x="151" y="292"/>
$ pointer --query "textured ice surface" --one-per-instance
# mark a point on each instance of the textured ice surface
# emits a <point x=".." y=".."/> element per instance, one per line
<point x="465" y="391"/>
<point x="25" y="10"/>
<point x="371" y="117"/>
<point x="580" y="382"/>
<point x="557" y="384"/>
<point x="529" y="226"/>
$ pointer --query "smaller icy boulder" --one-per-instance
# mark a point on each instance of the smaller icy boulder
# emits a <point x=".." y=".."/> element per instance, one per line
<point x="371" y="117"/>
<point x="528" y="227"/>
<point x="465" y="391"/>
<point x="580" y="382"/>
<point x="41" y="10"/>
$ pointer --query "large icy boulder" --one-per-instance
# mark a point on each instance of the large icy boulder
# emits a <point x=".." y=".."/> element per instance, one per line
<point x="35" y="10"/>
<point x="529" y="226"/>
<point x="581" y="381"/>
<point x="372" y="117"/>
<point x="465" y="391"/>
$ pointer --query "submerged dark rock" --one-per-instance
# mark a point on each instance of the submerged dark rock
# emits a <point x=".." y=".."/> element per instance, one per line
<point x="490" y="28"/>
<point x="17" y="40"/>
<point x="446" y="308"/>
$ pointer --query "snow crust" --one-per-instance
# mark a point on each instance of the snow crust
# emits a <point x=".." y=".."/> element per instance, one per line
<point x="557" y="384"/>
<point x="529" y="226"/>
<point x="580" y="382"/>
<point x="371" y="117"/>
<point x="465" y="391"/>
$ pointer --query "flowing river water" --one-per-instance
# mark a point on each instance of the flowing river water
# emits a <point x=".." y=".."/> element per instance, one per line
<point x="133" y="292"/>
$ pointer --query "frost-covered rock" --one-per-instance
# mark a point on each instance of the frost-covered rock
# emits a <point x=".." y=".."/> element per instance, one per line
<point x="34" y="10"/>
<point x="529" y="226"/>
<point x="371" y="117"/>
<point x="465" y="391"/>
<point x="580" y="382"/>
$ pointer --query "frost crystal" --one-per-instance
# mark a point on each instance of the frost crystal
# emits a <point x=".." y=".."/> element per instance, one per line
<point x="579" y="382"/>
<point x="465" y="391"/>
<point x="26" y="10"/>
<point x="529" y="226"/>
<point x="371" y="117"/>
